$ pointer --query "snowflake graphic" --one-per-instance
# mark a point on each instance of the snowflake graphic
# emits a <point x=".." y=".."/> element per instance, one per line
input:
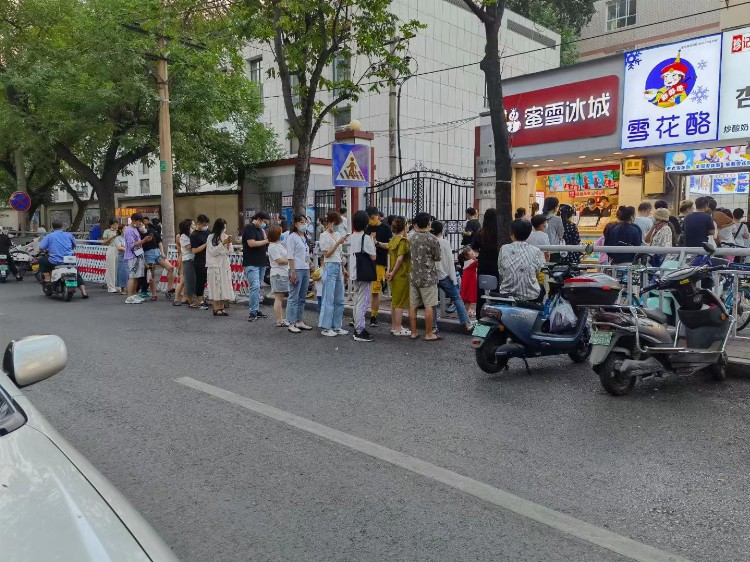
<point x="702" y="64"/>
<point x="700" y="94"/>
<point x="633" y="59"/>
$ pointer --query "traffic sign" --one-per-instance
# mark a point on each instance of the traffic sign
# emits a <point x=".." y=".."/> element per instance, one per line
<point x="20" y="201"/>
<point x="351" y="165"/>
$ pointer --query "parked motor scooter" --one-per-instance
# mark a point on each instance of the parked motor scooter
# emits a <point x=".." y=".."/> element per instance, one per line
<point x="510" y="328"/>
<point x="4" y="268"/>
<point x="64" y="280"/>
<point x="631" y="342"/>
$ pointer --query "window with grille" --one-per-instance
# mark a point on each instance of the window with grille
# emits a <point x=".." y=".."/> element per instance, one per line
<point x="255" y="72"/>
<point x="145" y="187"/>
<point x="144" y="168"/>
<point x="620" y="13"/>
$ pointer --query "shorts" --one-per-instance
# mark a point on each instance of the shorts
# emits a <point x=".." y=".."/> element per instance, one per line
<point x="152" y="256"/>
<point x="279" y="283"/>
<point x="136" y="268"/>
<point x="423" y="296"/>
<point x="377" y="286"/>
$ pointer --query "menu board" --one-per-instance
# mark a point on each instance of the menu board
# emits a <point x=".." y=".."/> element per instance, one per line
<point x="725" y="184"/>
<point x="707" y="159"/>
<point x="700" y="185"/>
<point x="585" y="181"/>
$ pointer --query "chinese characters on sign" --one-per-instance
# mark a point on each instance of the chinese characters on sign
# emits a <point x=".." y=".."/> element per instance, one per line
<point x="672" y="94"/>
<point x="735" y="85"/>
<point x="707" y="159"/>
<point x="566" y="112"/>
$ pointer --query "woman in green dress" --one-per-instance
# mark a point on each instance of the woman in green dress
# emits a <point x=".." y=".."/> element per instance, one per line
<point x="399" y="269"/>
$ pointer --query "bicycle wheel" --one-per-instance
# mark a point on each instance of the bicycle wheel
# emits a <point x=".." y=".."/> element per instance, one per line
<point x="743" y="309"/>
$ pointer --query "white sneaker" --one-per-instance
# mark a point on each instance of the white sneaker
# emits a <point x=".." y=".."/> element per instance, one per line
<point x="294" y="329"/>
<point x="342" y="332"/>
<point x="329" y="333"/>
<point x="133" y="300"/>
<point x="303" y="326"/>
<point x="138" y="299"/>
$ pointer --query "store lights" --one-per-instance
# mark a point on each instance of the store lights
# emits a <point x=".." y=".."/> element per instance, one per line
<point x="566" y="162"/>
<point x="631" y="155"/>
<point x="535" y="165"/>
<point x="581" y="157"/>
<point x="617" y="153"/>
<point x="597" y="159"/>
<point x="550" y="160"/>
<point x="521" y="163"/>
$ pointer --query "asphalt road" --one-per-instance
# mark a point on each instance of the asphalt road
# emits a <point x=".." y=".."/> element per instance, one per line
<point x="297" y="449"/>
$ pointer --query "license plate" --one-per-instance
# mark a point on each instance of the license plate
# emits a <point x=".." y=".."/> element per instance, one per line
<point x="3" y="268"/>
<point x="481" y="330"/>
<point x="601" y="338"/>
<point x="71" y="283"/>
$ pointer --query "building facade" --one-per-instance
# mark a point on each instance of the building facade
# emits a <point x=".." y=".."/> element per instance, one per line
<point x="625" y="25"/>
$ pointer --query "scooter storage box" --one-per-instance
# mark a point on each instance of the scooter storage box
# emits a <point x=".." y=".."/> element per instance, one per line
<point x="591" y="289"/>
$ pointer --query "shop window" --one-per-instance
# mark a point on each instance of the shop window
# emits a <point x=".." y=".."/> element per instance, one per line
<point x="620" y="13"/>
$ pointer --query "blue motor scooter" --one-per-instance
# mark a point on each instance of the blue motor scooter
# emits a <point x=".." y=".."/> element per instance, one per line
<point x="510" y="328"/>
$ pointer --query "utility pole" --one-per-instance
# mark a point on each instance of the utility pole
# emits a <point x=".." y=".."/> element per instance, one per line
<point x="392" y="119"/>
<point x="165" y="147"/>
<point x="23" y="218"/>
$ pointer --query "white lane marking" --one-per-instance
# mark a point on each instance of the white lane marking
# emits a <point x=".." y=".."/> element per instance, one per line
<point x="534" y="511"/>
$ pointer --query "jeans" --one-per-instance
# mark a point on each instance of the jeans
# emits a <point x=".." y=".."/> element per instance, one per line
<point x="295" y="305"/>
<point x="254" y="275"/>
<point x="332" y="307"/>
<point x="451" y="292"/>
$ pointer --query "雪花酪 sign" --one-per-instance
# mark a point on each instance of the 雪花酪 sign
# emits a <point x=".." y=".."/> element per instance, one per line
<point x="671" y="93"/>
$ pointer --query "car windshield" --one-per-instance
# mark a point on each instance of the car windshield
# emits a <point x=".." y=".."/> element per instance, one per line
<point x="10" y="417"/>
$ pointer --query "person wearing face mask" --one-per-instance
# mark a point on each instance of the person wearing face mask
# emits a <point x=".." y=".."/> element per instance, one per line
<point x="381" y="235"/>
<point x="218" y="250"/>
<point x="198" y="240"/>
<point x="134" y="256"/>
<point x="255" y="260"/>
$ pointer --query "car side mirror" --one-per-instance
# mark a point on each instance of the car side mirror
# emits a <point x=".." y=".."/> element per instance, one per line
<point x="34" y="358"/>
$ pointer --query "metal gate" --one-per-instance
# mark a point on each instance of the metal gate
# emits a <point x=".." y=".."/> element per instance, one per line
<point x="325" y="201"/>
<point x="444" y="196"/>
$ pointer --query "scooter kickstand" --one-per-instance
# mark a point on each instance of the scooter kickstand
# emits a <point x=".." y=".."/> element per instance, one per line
<point x="526" y="363"/>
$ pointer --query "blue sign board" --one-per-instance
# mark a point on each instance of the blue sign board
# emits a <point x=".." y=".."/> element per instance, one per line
<point x="351" y="165"/>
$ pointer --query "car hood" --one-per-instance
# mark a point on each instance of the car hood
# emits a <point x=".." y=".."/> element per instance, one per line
<point x="49" y="511"/>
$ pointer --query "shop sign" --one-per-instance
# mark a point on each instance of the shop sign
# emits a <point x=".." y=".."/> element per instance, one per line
<point x="707" y="159"/>
<point x="734" y="119"/>
<point x="567" y="112"/>
<point x="633" y="166"/>
<point x="584" y="183"/>
<point x="485" y="167"/>
<point x="672" y="93"/>
<point x="485" y="188"/>
<point x="725" y="184"/>
<point x="127" y="212"/>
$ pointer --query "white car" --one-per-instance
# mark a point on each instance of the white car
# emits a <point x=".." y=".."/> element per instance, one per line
<point x="54" y="505"/>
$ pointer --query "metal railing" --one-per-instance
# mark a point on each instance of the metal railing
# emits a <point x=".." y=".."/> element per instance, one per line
<point x="682" y="257"/>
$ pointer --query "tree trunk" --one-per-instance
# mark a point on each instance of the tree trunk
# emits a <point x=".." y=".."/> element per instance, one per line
<point x="503" y="164"/>
<point x="301" y="177"/>
<point x="106" y="195"/>
<point x="81" y="206"/>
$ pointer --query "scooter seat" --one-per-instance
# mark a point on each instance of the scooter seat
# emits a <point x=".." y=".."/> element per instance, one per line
<point x="656" y="315"/>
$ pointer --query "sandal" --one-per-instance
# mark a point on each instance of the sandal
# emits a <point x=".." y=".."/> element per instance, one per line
<point x="436" y="338"/>
<point x="176" y="303"/>
<point x="414" y="337"/>
<point x="402" y="332"/>
<point x="154" y="297"/>
<point x="220" y="313"/>
<point x="193" y="306"/>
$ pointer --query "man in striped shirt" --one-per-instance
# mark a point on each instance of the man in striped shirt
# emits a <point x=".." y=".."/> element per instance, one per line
<point x="520" y="264"/>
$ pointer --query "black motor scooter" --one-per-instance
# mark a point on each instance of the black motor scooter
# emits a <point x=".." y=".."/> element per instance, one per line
<point x="631" y="342"/>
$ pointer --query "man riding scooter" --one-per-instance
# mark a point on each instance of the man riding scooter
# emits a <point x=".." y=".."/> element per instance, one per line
<point x="58" y="244"/>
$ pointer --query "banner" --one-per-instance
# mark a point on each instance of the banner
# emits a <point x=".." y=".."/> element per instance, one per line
<point x="707" y="159"/>
<point x="672" y="93"/>
<point x="734" y="119"/>
<point x="593" y="181"/>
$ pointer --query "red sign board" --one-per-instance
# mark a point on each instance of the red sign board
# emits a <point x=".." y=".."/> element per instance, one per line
<point x="561" y="113"/>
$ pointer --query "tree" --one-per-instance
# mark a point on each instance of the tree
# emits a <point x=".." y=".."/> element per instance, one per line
<point x="566" y="17"/>
<point x="318" y="45"/>
<point x="79" y="75"/>
<point x="490" y="13"/>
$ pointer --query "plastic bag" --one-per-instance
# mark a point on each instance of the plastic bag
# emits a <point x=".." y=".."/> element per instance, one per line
<point x="562" y="318"/>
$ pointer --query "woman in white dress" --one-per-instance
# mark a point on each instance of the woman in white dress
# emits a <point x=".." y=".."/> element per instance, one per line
<point x="108" y="239"/>
<point x="219" y="272"/>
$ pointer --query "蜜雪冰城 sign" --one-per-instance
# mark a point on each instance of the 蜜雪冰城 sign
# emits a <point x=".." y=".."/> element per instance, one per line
<point x="561" y="113"/>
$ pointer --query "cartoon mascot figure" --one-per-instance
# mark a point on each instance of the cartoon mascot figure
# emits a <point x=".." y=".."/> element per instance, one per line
<point x="675" y="87"/>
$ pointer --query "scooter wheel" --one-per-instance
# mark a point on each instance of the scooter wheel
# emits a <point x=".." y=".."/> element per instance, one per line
<point x="719" y="369"/>
<point x="488" y="361"/>
<point x="583" y="351"/>
<point x="611" y="380"/>
<point x="68" y="296"/>
<point x="3" y="279"/>
<point x="48" y="289"/>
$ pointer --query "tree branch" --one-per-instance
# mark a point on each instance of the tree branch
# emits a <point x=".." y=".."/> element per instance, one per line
<point x="286" y="89"/>
<point x="478" y="11"/>
<point x="326" y="110"/>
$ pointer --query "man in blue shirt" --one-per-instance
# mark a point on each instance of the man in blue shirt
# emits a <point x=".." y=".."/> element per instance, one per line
<point x="623" y="233"/>
<point x="58" y="244"/>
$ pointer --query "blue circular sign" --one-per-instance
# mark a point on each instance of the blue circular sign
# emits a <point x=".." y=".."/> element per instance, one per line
<point x="20" y="201"/>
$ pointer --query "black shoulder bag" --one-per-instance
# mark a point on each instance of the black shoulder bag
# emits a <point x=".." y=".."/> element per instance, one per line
<point x="365" y="265"/>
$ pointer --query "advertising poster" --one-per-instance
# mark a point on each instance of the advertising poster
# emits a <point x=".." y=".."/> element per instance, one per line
<point x="707" y="159"/>
<point x="588" y="181"/>
<point x="700" y="185"/>
<point x="727" y="184"/>
<point x="734" y="119"/>
<point x="672" y="93"/>
<point x="679" y="161"/>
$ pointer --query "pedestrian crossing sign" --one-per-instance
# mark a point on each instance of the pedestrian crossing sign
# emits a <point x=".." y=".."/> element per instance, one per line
<point x="351" y="165"/>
